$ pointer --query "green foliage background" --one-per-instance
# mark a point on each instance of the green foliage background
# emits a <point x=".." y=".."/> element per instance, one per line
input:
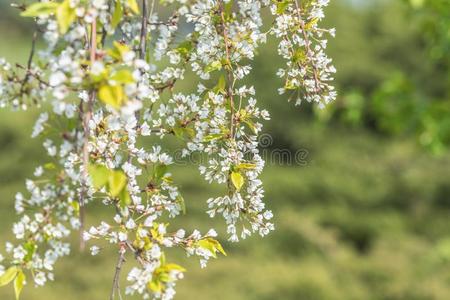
<point x="367" y="217"/>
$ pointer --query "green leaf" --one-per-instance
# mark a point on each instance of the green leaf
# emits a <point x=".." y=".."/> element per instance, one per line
<point x="155" y="285"/>
<point x="178" y="131"/>
<point x="206" y="244"/>
<point x="118" y="14"/>
<point x="228" y="9"/>
<point x="18" y="283"/>
<point x="40" y="9"/>
<point x="117" y="181"/>
<point x="124" y="197"/>
<point x="8" y="276"/>
<point x="237" y="179"/>
<point x="212" y="137"/>
<point x="50" y="166"/>
<point x="248" y="166"/>
<point x="221" y="85"/>
<point x="251" y="125"/>
<point x="289" y="86"/>
<point x="214" y="66"/>
<point x="160" y="171"/>
<point x="311" y="23"/>
<point x="282" y="6"/>
<point x="184" y="48"/>
<point x="299" y="55"/>
<point x="174" y="267"/>
<point x="99" y="175"/>
<point x="118" y="51"/>
<point x="65" y="15"/>
<point x="112" y="95"/>
<point x="30" y="247"/>
<point x="133" y="6"/>
<point x="211" y="245"/>
<point x="122" y="76"/>
<point x="220" y="248"/>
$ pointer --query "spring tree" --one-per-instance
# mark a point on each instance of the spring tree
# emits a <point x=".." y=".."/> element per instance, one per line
<point x="108" y="75"/>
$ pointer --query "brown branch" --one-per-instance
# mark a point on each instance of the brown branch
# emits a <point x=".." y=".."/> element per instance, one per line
<point x="144" y="30"/>
<point x="86" y="119"/>
<point x="116" y="284"/>
<point x="30" y="61"/>
<point x="228" y="68"/>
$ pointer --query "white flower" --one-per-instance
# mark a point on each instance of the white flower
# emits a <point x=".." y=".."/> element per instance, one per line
<point x="130" y="224"/>
<point x="39" y="125"/>
<point x="123" y="236"/>
<point x="40" y="279"/>
<point x="57" y="78"/>
<point x="38" y="171"/>
<point x="95" y="250"/>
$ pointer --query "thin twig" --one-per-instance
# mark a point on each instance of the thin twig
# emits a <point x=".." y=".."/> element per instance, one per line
<point x="116" y="284"/>
<point x="30" y="61"/>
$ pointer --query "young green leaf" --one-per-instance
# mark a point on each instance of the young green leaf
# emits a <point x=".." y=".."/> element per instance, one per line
<point x="40" y="9"/>
<point x="155" y="285"/>
<point x="221" y="85"/>
<point x="18" y="283"/>
<point x="99" y="175"/>
<point x="111" y="95"/>
<point x="124" y="197"/>
<point x="122" y="76"/>
<point x="117" y="181"/>
<point x="133" y="6"/>
<point x="118" y="14"/>
<point x="118" y="51"/>
<point x="8" y="276"/>
<point x="214" y="66"/>
<point x="160" y="171"/>
<point x="174" y="267"/>
<point x="247" y="166"/>
<point x="238" y="180"/>
<point x="212" y="137"/>
<point x="282" y="6"/>
<point x="178" y="131"/>
<point x="65" y="15"/>
<point x="211" y="245"/>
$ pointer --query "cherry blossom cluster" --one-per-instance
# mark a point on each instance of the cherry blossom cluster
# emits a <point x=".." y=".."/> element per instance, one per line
<point x="308" y="71"/>
<point x="109" y="74"/>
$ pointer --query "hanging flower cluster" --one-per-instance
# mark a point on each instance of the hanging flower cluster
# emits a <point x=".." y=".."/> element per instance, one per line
<point x="109" y="73"/>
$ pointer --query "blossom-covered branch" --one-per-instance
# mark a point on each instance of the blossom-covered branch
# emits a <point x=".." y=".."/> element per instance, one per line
<point x="109" y="71"/>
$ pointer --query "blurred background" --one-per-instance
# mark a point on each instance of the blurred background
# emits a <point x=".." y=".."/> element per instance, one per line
<point x="363" y="214"/>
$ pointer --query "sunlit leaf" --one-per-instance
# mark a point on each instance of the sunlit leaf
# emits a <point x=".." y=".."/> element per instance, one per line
<point x="133" y="6"/>
<point x="238" y="180"/>
<point x="118" y="14"/>
<point x="99" y="175"/>
<point x="123" y="77"/>
<point x="40" y="9"/>
<point x="214" y="66"/>
<point x="8" y="276"/>
<point x="111" y="95"/>
<point x="116" y="181"/>
<point x="65" y="15"/>
<point x="18" y="283"/>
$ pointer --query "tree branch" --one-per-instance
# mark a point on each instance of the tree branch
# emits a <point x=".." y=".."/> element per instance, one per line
<point x="116" y="284"/>
<point x="86" y="119"/>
